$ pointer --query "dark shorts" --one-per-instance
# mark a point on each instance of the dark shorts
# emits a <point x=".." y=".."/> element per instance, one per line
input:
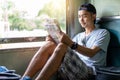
<point x="73" y="68"/>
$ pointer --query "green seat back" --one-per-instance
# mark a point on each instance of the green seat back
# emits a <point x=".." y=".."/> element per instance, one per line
<point x="113" y="26"/>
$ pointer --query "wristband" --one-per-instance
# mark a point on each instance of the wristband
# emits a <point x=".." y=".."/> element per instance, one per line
<point x="74" y="45"/>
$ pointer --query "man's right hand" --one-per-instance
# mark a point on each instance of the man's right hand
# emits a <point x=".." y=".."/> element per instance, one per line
<point x="64" y="38"/>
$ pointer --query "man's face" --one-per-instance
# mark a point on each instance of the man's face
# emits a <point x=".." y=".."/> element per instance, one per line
<point x="86" y="18"/>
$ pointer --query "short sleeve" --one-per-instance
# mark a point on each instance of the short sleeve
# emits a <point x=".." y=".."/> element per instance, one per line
<point x="102" y="39"/>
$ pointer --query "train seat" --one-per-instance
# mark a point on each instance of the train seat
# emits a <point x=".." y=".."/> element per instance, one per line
<point x="112" y="70"/>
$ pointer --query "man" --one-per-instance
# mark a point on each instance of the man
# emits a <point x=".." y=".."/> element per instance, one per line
<point x="73" y="59"/>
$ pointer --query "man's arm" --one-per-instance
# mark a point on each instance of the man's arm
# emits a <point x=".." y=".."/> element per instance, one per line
<point x="90" y="52"/>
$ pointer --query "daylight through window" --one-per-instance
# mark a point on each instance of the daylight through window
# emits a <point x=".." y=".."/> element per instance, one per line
<point x="24" y="18"/>
<point x="28" y="15"/>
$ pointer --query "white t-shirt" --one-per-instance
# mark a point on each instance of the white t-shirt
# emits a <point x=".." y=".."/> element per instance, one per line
<point x="98" y="37"/>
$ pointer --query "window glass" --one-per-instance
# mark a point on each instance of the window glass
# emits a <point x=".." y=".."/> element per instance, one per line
<point x="22" y="18"/>
<point x="21" y="21"/>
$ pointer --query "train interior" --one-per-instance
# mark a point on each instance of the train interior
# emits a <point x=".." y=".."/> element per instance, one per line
<point x="108" y="17"/>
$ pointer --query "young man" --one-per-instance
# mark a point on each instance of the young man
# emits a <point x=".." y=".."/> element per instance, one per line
<point x="73" y="59"/>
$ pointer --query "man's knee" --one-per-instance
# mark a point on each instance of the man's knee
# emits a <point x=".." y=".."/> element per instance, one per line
<point x="48" y="45"/>
<point x="61" y="48"/>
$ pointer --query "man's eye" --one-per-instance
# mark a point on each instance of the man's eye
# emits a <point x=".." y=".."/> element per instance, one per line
<point x="84" y="16"/>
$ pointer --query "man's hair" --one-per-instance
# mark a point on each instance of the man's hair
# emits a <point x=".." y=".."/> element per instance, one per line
<point x="88" y="7"/>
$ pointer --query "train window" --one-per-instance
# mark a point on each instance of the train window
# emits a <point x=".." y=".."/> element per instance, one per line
<point x="21" y="20"/>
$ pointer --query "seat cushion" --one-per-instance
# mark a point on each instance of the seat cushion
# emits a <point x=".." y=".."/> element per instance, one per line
<point x="113" y="57"/>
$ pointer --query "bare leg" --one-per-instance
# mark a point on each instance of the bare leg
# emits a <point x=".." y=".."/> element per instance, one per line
<point x="53" y="63"/>
<point x="39" y="59"/>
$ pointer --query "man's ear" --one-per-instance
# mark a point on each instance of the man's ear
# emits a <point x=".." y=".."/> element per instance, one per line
<point x="94" y="16"/>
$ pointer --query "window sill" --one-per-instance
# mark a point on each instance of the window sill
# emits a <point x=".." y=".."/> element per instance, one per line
<point x="21" y="45"/>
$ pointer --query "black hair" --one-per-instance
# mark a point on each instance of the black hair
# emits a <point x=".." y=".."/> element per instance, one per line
<point x="88" y="7"/>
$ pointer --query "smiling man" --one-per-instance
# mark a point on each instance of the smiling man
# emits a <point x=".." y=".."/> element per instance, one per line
<point x="72" y="59"/>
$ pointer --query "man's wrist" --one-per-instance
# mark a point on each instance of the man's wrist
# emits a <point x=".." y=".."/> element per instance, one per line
<point x="74" y="45"/>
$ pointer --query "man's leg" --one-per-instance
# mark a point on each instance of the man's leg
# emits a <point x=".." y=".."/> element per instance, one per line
<point x="53" y="63"/>
<point x="39" y="59"/>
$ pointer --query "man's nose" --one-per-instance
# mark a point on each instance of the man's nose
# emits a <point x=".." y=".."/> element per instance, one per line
<point x="81" y="19"/>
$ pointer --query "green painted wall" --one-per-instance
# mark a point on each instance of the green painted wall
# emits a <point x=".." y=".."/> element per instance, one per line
<point x="107" y="7"/>
<point x="17" y="59"/>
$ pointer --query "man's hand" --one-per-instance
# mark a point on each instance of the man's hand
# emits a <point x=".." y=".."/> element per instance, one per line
<point x="64" y="38"/>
